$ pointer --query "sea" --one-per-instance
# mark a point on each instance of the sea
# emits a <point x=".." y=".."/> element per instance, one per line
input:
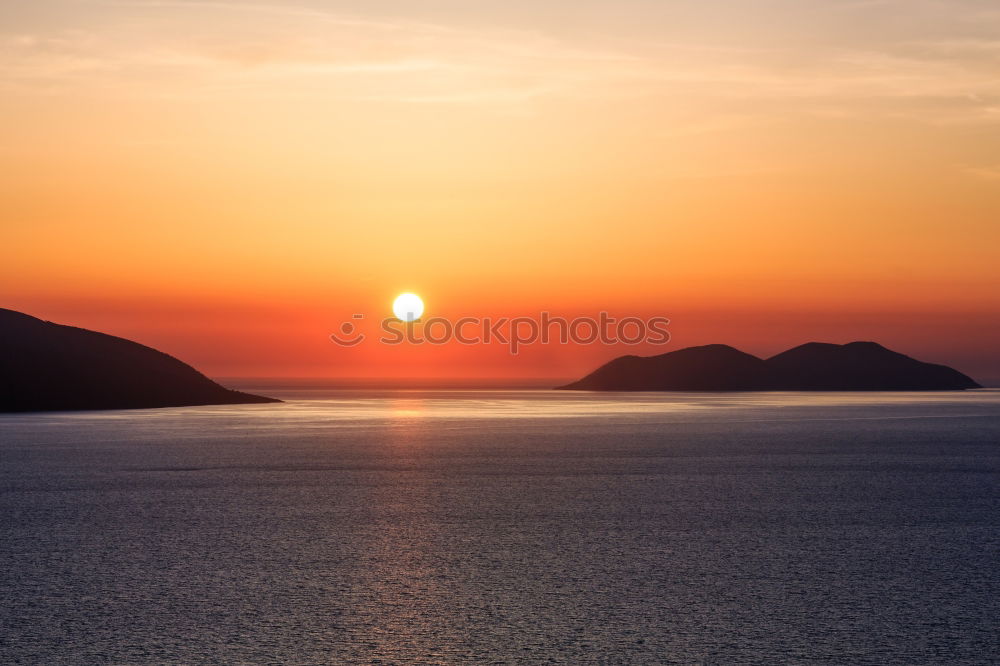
<point x="456" y="526"/>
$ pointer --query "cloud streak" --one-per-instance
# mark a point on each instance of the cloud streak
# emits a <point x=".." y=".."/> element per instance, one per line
<point x="153" y="50"/>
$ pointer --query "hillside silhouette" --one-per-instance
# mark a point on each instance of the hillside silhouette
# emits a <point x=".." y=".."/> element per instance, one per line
<point x="46" y="366"/>
<point x="814" y="366"/>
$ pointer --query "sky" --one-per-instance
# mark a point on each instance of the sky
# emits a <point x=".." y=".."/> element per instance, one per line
<point x="229" y="181"/>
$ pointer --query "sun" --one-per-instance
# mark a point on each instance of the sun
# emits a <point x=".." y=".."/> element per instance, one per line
<point x="408" y="307"/>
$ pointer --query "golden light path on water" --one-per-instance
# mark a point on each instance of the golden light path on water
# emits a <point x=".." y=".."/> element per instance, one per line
<point x="344" y="407"/>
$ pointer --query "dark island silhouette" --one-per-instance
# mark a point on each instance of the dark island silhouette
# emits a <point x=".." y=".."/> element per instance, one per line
<point x="814" y="366"/>
<point x="51" y="367"/>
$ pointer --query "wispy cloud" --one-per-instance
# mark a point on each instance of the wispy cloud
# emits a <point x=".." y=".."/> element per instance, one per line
<point x="991" y="173"/>
<point x="951" y="78"/>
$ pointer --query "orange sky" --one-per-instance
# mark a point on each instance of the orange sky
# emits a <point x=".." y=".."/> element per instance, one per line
<point x="228" y="181"/>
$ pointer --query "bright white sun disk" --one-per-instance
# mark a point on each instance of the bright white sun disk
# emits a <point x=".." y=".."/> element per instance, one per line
<point x="408" y="307"/>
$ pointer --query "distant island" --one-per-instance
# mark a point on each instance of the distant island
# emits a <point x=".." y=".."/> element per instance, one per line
<point x="50" y="367"/>
<point x="814" y="366"/>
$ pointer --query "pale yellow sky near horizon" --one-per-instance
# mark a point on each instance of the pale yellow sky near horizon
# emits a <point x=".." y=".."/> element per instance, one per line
<point x="166" y="157"/>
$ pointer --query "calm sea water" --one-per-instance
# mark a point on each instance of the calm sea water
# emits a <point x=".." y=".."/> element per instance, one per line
<point x="506" y="527"/>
